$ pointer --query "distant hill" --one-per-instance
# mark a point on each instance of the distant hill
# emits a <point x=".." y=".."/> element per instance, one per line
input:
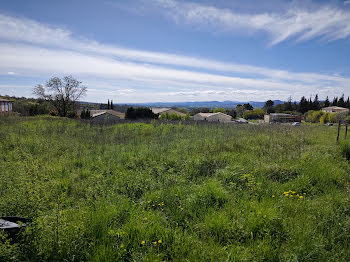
<point x="208" y="104"/>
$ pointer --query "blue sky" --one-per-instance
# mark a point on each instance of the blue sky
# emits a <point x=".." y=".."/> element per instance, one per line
<point x="176" y="50"/>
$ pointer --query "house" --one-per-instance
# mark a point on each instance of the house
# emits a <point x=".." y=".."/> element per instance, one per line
<point x="5" y="107"/>
<point x="335" y="109"/>
<point x="164" y="110"/>
<point x="281" y="118"/>
<point x="106" y="116"/>
<point x="212" y="117"/>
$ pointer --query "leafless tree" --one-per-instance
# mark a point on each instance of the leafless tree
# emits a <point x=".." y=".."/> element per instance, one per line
<point x="62" y="94"/>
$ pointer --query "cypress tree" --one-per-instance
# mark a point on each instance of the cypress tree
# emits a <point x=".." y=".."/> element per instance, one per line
<point x="82" y="114"/>
<point x="316" y="103"/>
<point x="335" y="101"/>
<point x="111" y="104"/>
<point x="108" y="105"/>
<point x="326" y="102"/>
<point x="303" y="105"/>
<point x="347" y="103"/>
<point x="341" y="101"/>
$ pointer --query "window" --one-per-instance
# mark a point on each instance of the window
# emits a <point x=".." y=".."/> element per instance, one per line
<point x="2" y="106"/>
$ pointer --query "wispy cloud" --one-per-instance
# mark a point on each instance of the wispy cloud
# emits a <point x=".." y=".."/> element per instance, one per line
<point x="30" y="49"/>
<point x="326" y="22"/>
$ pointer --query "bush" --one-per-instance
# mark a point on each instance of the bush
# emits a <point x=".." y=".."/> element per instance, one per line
<point x="53" y="113"/>
<point x="345" y="150"/>
<point x="85" y="114"/>
<point x="219" y="110"/>
<point x="71" y="114"/>
<point x="313" y="116"/>
<point x="325" y="118"/>
<point x="173" y="116"/>
<point x="254" y="114"/>
<point x="140" y="113"/>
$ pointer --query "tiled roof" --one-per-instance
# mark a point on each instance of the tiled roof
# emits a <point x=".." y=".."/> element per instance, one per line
<point x="95" y="113"/>
<point x="158" y="110"/>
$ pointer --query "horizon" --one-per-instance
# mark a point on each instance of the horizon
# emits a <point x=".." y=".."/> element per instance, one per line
<point x="176" y="51"/>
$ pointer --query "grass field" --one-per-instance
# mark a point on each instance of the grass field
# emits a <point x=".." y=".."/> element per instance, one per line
<point x="174" y="192"/>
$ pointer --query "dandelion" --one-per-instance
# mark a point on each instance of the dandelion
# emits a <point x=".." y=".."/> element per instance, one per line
<point x="301" y="197"/>
<point x="154" y="243"/>
<point x="159" y="241"/>
<point x="273" y="196"/>
<point x="143" y="242"/>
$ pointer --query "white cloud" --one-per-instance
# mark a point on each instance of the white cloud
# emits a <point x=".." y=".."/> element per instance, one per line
<point x="327" y="22"/>
<point x="31" y="49"/>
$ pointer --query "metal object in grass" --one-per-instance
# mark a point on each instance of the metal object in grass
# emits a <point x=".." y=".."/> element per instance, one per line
<point x="12" y="225"/>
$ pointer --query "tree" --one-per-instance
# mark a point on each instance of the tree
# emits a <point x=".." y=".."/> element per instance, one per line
<point x="303" y="105"/>
<point x="268" y="106"/>
<point x="316" y="103"/>
<point x="111" y="104"/>
<point x="347" y="103"/>
<point x="221" y="110"/>
<point x="140" y="113"/>
<point x="326" y="102"/>
<point x="62" y="94"/>
<point x="108" y="105"/>
<point x="248" y="106"/>
<point x="341" y="101"/>
<point x="257" y="113"/>
<point x="335" y="101"/>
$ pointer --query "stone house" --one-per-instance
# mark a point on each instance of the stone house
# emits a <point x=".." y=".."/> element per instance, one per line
<point x="212" y="117"/>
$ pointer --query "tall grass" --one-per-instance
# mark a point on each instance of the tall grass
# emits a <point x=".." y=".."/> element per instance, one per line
<point x="158" y="192"/>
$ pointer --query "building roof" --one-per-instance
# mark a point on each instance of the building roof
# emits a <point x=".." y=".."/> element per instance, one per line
<point x="95" y="113"/>
<point x="207" y="114"/>
<point x="335" y="108"/>
<point x="159" y="110"/>
<point x="4" y="100"/>
<point x="212" y="114"/>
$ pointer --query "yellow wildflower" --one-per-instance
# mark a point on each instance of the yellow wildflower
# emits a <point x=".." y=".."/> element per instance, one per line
<point x="143" y="242"/>
<point x="159" y="241"/>
<point x="273" y="195"/>
<point x="301" y="197"/>
<point x="154" y="243"/>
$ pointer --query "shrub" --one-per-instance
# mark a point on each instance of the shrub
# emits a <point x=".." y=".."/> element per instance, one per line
<point x="345" y="150"/>
<point x="219" y="110"/>
<point x="174" y="116"/>
<point x="325" y="118"/>
<point x="313" y="116"/>
<point x="71" y="114"/>
<point x="254" y="114"/>
<point x="85" y="114"/>
<point x="53" y="113"/>
<point x="139" y="113"/>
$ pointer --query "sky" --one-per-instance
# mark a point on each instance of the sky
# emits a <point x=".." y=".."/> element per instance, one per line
<point x="175" y="50"/>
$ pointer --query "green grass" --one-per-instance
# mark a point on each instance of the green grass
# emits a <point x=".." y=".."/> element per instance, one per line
<point x="174" y="192"/>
